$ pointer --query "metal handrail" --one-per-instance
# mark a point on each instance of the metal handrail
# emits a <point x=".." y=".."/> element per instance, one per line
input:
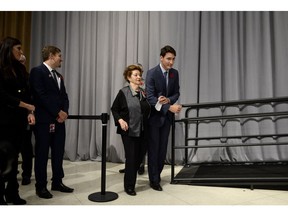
<point x="235" y="102"/>
<point x="240" y="104"/>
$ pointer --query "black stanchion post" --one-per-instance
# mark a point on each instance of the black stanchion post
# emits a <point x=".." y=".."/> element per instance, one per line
<point x="103" y="196"/>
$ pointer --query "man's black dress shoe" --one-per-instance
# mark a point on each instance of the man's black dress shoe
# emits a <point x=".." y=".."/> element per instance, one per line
<point x="16" y="200"/>
<point x="141" y="170"/>
<point x="62" y="188"/>
<point x="130" y="192"/>
<point x="44" y="193"/>
<point x="156" y="187"/>
<point x="26" y="181"/>
<point x="122" y="171"/>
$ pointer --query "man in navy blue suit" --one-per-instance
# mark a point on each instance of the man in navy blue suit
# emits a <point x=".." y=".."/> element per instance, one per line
<point x="162" y="87"/>
<point x="51" y="110"/>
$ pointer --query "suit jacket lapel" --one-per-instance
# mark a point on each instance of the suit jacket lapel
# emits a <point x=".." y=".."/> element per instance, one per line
<point x="46" y="70"/>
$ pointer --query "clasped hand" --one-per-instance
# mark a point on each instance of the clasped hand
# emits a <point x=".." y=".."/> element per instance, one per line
<point x="62" y="116"/>
<point x="163" y="100"/>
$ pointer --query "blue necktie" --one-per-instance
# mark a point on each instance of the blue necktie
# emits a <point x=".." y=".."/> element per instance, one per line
<point x="166" y="79"/>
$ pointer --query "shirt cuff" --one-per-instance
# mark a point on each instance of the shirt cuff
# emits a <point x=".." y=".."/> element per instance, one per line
<point x="158" y="106"/>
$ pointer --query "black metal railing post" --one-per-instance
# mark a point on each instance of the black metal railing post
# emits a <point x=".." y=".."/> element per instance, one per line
<point x="102" y="196"/>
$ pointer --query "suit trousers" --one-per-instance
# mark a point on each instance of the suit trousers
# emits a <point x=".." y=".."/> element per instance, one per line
<point x="46" y="139"/>
<point x="157" y="149"/>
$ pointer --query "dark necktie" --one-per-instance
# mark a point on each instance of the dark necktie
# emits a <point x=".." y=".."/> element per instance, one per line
<point x="166" y="76"/>
<point x="166" y="80"/>
<point x="55" y="76"/>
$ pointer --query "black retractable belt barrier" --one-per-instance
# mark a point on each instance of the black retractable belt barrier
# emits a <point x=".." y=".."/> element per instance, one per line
<point x="103" y="196"/>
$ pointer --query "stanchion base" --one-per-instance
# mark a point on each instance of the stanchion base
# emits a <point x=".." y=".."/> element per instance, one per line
<point x="106" y="197"/>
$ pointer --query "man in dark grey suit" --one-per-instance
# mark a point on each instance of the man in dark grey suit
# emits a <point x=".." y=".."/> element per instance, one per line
<point x="162" y="87"/>
<point x="51" y="111"/>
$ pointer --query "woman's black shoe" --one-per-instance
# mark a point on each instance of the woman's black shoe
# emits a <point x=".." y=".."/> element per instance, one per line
<point x="2" y="201"/>
<point x="130" y="192"/>
<point x="16" y="200"/>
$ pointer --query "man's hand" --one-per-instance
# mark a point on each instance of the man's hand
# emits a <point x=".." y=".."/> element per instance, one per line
<point x="175" y="108"/>
<point x="163" y="100"/>
<point x="62" y="116"/>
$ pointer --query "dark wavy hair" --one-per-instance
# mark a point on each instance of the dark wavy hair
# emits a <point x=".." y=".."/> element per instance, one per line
<point x="8" y="63"/>
<point x="167" y="49"/>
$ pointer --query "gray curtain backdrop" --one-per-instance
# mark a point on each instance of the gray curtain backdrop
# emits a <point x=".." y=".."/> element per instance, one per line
<point x="229" y="55"/>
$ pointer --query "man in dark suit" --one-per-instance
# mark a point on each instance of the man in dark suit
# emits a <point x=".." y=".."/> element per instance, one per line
<point x="51" y="110"/>
<point x="162" y="86"/>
